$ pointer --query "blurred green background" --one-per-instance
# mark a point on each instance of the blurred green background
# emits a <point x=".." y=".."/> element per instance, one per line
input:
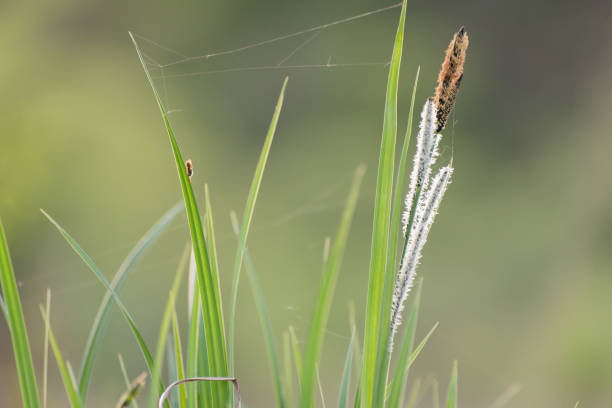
<point x="517" y="269"/>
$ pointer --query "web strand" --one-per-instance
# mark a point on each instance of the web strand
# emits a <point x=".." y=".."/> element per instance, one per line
<point x="272" y="67"/>
<point x="272" y="40"/>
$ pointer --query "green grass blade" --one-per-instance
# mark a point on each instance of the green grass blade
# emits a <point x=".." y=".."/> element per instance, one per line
<point x="212" y="245"/>
<point x="377" y="317"/>
<point x="398" y="384"/>
<point x="248" y="216"/>
<point x="94" y="268"/>
<point x="46" y="348"/>
<point x="451" y="398"/>
<point x="288" y="390"/>
<point x="163" y="333"/>
<point x="208" y="287"/>
<point x="297" y="355"/>
<point x="126" y="378"/>
<point x="264" y="318"/>
<point x="106" y="306"/>
<point x="17" y="327"/>
<point x="328" y="285"/>
<point x="343" y="401"/>
<point x="398" y="195"/>
<point x="407" y="363"/>
<point x="193" y="348"/>
<point x="69" y="384"/>
<point x="178" y="354"/>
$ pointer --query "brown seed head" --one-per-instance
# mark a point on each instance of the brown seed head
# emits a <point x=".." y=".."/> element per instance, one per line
<point x="450" y="77"/>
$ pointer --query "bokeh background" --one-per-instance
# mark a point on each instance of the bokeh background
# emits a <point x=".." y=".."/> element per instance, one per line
<point x="517" y="268"/>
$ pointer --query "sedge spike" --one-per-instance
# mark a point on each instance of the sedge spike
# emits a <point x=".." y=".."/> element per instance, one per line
<point x="426" y="212"/>
<point x="424" y="157"/>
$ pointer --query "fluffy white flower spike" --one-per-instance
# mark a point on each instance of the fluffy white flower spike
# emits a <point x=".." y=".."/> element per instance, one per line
<point x="424" y="157"/>
<point x="426" y="211"/>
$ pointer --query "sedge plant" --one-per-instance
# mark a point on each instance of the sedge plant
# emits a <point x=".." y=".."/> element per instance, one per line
<point x="201" y="372"/>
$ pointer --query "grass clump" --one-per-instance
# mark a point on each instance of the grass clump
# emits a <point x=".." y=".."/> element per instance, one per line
<point x="398" y="236"/>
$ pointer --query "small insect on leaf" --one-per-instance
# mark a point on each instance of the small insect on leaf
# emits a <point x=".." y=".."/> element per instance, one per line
<point x="130" y="395"/>
<point x="189" y="168"/>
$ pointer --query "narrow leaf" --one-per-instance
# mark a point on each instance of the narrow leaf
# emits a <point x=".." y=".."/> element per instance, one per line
<point x="46" y="348"/>
<point x="106" y="306"/>
<point x="94" y="268"/>
<point x="206" y="282"/>
<point x="288" y="390"/>
<point x="378" y="306"/>
<point x="248" y="216"/>
<point x="343" y="401"/>
<point x="398" y="383"/>
<point x="451" y="398"/>
<point x="264" y="318"/>
<point x="163" y="332"/>
<point x="326" y="293"/>
<point x="17" y="328"/>
<point x="178" y="354"/>
<point x="297" y="355"/>
<point x="71" y="390"/>
<point x="129" y="387"/>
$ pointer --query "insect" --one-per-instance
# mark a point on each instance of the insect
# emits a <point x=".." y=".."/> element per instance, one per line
<point x="189" y="168"/>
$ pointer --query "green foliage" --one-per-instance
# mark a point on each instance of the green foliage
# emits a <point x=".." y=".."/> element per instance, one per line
<point x="69" y="384"/>
<point x="264" y="319"/>
<point x="248" y="215"/>
<point x="16" y="323"/>
<point x="106" y="306"/>
<point x="209" y="359"/>
<point x="451" y="396"/>
<point x="94" y="268"/>
<point x="326" y="292"/>
<point x="207" y="282"/>
<point x="380" y="286"/>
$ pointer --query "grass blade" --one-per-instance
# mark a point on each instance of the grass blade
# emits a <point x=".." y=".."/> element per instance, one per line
<point x="193" y="351"/>
<point x="288" y="369"/>
<point x="178" y="353"/>
<point x="248" y="216"/>
<point x="451" y="398"/>
<point x="17" y="327"/>
<point x="163" y="332"/>
<point x="343" y="401"/>
<point x="69" y="384"/>
<point x="398" y="383"/>
<point x="46" y="347"/>
<point x="106" y="306"/>
<point x="328" y="285"/>
<point x="206" y="282"/>
<point x="264" y="318"/>
<point x="128" y="386"/>
<point x="407" y="363"/>
<point x="379" y="298"/>
<point x="94" y="268"/>
<point x="297" y="355"/>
